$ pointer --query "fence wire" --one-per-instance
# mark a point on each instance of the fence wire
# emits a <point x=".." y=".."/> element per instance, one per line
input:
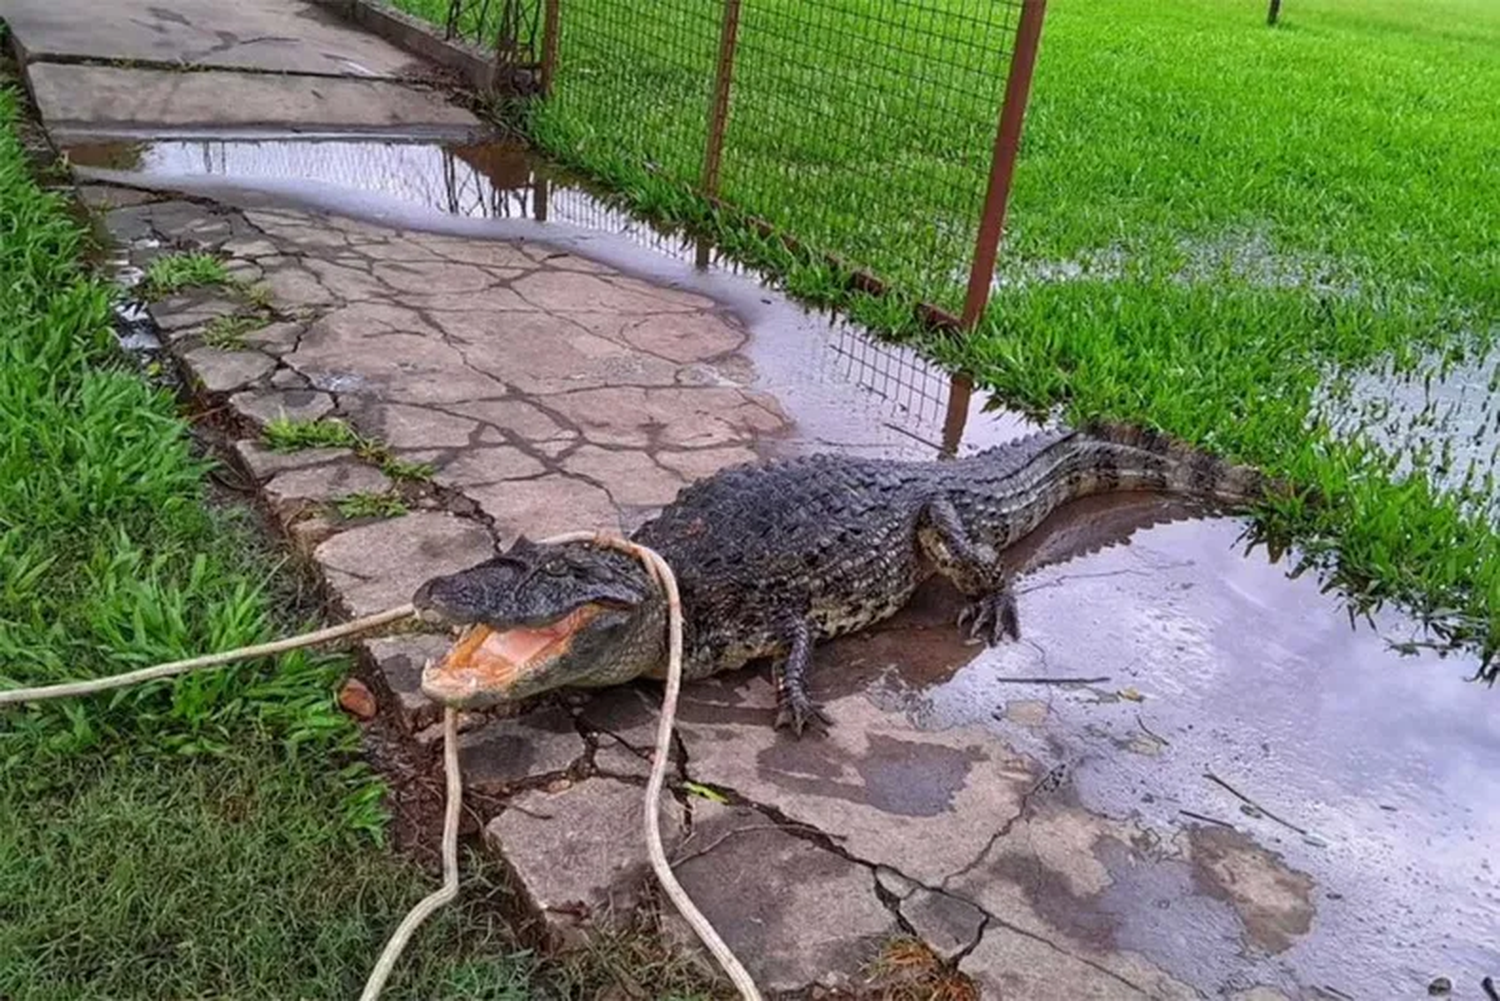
<point x="864" y="129"/>
<point x="510" y="28"/>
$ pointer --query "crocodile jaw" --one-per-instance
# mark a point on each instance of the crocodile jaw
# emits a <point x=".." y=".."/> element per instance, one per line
<point x="487" y="666"/>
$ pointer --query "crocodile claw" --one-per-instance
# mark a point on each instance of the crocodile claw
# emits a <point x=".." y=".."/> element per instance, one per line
<point x="990" y="619"/>
<point x="797" y="711"/>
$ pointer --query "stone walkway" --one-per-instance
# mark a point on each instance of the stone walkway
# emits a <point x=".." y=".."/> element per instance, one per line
<point x="530" y="390"/>
<point x="1053" y="838"/>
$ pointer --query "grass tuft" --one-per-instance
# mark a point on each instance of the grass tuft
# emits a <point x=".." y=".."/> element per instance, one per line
<point x="371" y="505"/>
<point x="172" y="273"/>
<point x="286" y="434"/>
<point x="228" y="332"/>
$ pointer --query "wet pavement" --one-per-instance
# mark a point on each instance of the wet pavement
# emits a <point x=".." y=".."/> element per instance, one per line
<point x="1193" y="777"/>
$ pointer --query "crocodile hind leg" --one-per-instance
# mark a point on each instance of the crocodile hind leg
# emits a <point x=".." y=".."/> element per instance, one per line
<point x="975" y="569"/>
<point x="794" y="707"/>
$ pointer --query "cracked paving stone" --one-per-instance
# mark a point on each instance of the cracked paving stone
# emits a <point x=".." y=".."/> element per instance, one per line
<point x="674" y="416"/>
<point x="483" y="253"/>
<point x="1008" y="964"/>
<point x="293" y="404"/>
<point x="403" y="426"/>
<point x="571" y="292"/>
<point x="181" y="312"/>
<point x="484" y="466"/>
<point x="105" y="197"/>
<point x="294" y="286"/>
<point x="564" y="261"/>
<point x="925" y="803"/>
<point x="245" y="272"/>
<point x="1045" y="874"/>
<point x="293" y="491"/>
<point x="504" y="752"/>
<point x="947" y="924"/>
<point x="570" y="857"/>
<point x="249" y="247"/>
<point x="678" y="298"/>
<point x="1273" y="900"/>
<point x="265" y="463"/>
<point x="378" y="566"/>
<point x="475" y="305"/>
<point x="351" y="284"/>
<point x="539" y="353"/>
<point x="795" y="914"/>
<point x="440" y="277"/>
<point x="625" y="721"/>
<point x="225" y="371"/>
<point x="630" y="477"/>
<point x="612" y="757"/>
<point x="519" y="418"/>
<point x="403" y="368"/>
<point x="700" y="463"/>
<point x="275" y="338"/>
<point x="684" y="338"/>
<point x="546" y="506"/>
<point x="400" y="660"/>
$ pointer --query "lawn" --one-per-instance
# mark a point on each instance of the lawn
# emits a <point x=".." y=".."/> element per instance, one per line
<point x="1217" y="228"/>
<point x="212" y="837"/>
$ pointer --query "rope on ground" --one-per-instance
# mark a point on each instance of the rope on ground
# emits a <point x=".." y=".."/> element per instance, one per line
<point x="17" y="695"/>
<point x="701" y="926"/>
<point x="660" y="572"/>
<point x="449" y="890"/>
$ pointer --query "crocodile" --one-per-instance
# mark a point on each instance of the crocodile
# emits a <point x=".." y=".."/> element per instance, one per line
<point x="773" y="557"/>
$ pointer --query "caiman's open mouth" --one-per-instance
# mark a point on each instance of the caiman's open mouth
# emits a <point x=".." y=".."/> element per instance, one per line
<point x="487" y="665"/>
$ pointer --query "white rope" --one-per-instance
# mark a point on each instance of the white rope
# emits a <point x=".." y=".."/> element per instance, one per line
<point x="659" y="571"/>
<point x="663" y="869"/>
<point x="445" y="893"/>
<point x="95" y="685"/>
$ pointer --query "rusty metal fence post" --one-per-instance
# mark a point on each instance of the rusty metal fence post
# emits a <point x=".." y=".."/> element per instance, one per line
<point x="718" y="110"/>
<point x="551" y="20"/>
<point x="1003" y="164"/>
<point x="718" y="115"/>
<point x="996" y="199"/>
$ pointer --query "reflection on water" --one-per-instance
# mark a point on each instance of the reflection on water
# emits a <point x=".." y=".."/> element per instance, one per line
<point x="917" y="408"/>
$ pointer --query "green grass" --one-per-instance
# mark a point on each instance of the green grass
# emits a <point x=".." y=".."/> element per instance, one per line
<point x="1216" y="226"/>
<point x="285" y="434"/>
<point x="172" y="273"/>
<point x="371" y="505"/>
<point x="228" y="332"/>
<point x="212" y="836"/>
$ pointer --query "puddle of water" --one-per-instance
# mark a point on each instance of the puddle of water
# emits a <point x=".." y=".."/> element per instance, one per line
<point x="1214" y="662"/>
<point x="1437" y="419"/>
<point x="1195" y="659"/>
<point x="901" y="404"/>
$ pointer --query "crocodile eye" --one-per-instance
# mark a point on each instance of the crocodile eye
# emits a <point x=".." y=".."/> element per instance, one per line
<point x="555" y="568"/>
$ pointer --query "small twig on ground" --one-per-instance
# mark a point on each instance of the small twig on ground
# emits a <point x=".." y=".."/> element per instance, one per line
<point x="1488" y="983"/>
<point x="1053" y="681"/>
<point x="1206" y="819"/>
<point x="1250" y="802"/>
<point x="1154" y="736"/>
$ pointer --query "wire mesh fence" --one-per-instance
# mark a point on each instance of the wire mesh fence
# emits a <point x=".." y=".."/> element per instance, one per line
<point x="510" y="28"/>
<point x="863" y="129"/>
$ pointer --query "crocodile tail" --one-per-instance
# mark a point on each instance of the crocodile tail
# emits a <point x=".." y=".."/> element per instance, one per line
<point x="1168" y="464"/>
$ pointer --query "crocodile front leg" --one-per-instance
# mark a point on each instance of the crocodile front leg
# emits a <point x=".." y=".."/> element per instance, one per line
<point x="975" y="569"/>
<point x="794" y="707"/>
